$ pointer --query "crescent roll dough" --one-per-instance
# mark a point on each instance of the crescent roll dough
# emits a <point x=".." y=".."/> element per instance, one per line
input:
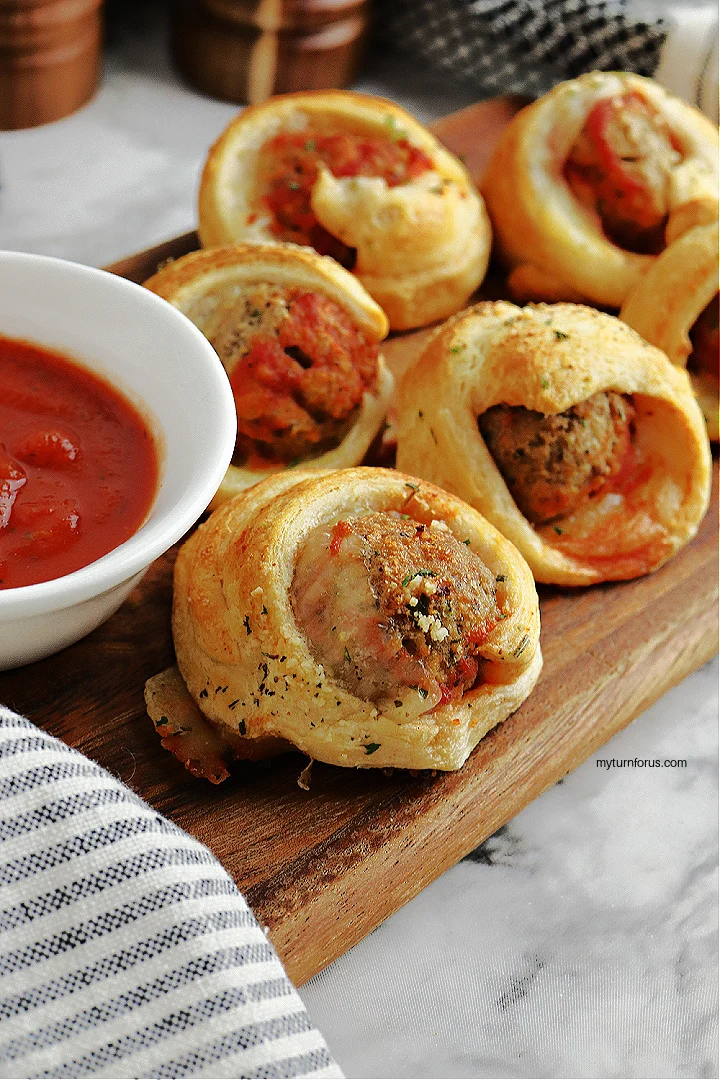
<point x="591" y="181"/>
<point x="578" y="440"/>
<point x="358" y="178"/>
<point x="298" y="336"/>
<point x="368" y="618"/>
<point x="666" y="304"/>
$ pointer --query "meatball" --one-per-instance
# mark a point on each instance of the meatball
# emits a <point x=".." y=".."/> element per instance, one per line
<point x="389" y="604"/>
<point x="552" y="464"/>
<point x="298" y="368"/>
<point x="621" y="165"/>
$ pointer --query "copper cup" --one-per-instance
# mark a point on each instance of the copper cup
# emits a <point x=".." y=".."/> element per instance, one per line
<point x="246" y="50"/>
<point x="49" y="59"/>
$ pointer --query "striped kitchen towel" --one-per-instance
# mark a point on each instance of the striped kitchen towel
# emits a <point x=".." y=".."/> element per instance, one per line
<point x="125" y="948"/>
<point x="527" y="46"/>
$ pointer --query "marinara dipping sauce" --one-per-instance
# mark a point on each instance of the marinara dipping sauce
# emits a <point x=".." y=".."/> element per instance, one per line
<point x="78" y="466"/>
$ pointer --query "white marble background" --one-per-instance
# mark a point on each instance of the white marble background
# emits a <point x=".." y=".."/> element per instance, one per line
<point x="580" y="941"/>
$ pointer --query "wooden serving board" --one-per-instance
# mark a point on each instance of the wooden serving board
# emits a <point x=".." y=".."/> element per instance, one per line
<point x="322" y="868"/>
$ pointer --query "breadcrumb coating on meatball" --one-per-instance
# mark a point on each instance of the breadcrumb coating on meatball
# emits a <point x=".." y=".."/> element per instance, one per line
<point x="552" y="464"/>
<point x="388" y="603"/>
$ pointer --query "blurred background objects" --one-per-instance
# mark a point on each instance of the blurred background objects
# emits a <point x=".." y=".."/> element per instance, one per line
<point x="243" y="51"/>
<point x="246" y="50"/>
<point x="49" y="59"/>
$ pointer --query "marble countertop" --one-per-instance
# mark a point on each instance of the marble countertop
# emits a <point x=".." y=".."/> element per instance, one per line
<point x="579" y="940"/>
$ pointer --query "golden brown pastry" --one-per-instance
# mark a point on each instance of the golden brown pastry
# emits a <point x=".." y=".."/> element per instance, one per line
<point x="358" y="178"/>
<point x="299" y="338"/>
<point x="366" y="617"/>
<point x="579" y="441"/>
<point x="591" y="182"/>
<point x="200" y="746"/>
<point x="675" y="307"/>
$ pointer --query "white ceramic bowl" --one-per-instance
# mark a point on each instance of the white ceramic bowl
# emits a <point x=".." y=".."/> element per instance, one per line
<point x="164" y="365"/>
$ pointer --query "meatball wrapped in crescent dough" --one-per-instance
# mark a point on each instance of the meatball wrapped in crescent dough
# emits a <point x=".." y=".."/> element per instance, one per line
<point x="357" y="178"/>
<point x="675" y="306"/>
<point x="578" y="440"/>
<point x="299" y="338"/>
<point x="591" y="182"/>
<point x="366" y="617"/>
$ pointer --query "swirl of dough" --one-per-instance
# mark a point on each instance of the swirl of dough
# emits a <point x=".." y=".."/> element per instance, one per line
<point x="675" y="307"/>
<point x="298" y="336"/>
<point x="579" y="441"/>
<point x="368" y="618"/>
<point x="589" y="183"/>
<point x="357" y="178"/>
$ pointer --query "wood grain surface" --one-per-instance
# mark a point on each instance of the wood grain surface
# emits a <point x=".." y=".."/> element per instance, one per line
<point x="322" y="868"/>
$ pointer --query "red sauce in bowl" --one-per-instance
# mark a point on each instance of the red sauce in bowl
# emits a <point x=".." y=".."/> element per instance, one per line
<point x="78" y="466"/>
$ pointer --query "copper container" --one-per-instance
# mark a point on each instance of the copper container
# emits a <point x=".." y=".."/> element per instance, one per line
<point x="246" y="50"/>
<point x="49" y="59"/>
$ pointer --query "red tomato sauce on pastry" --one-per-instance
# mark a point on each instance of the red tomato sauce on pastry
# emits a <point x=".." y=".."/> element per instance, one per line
<point x="288" y="168"/>
<point x="554" y="464"/>
<point x="640" y="544"/>
<point x="78" y="466"/>
<point x="620" y="166"/>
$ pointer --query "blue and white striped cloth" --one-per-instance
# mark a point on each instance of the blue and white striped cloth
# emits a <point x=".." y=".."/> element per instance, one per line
<point x="125" y="948"/>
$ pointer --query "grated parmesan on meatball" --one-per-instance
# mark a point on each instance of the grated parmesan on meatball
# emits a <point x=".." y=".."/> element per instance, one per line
<point x="388" y="603"/>
<point x="552" y="464"/>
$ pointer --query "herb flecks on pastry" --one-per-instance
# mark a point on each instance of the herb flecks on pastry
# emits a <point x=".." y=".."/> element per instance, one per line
<point x="553" y="464"/>
<point x="579" y="441"/>
<point x="370" y="619"/>
<point x="394" y="608"/>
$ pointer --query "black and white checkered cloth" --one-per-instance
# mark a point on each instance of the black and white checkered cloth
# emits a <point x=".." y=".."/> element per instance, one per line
<point x="125" y="948"/>
<point x="527" y="46"/>
<point x="522" y="46"/>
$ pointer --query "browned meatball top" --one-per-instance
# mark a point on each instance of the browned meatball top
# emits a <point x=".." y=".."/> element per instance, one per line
<point x="552" y="464"/>
<point x="389" y="604"/>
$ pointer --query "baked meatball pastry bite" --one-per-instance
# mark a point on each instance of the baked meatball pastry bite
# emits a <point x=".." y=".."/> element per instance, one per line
<point x="366" y="617"/>
<point x="579" y="441"/>
<point x="675" y="306"/>
<point x="591" y="182"/>
<point x="358" y="178"/>
<point x="299" y="338"/>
